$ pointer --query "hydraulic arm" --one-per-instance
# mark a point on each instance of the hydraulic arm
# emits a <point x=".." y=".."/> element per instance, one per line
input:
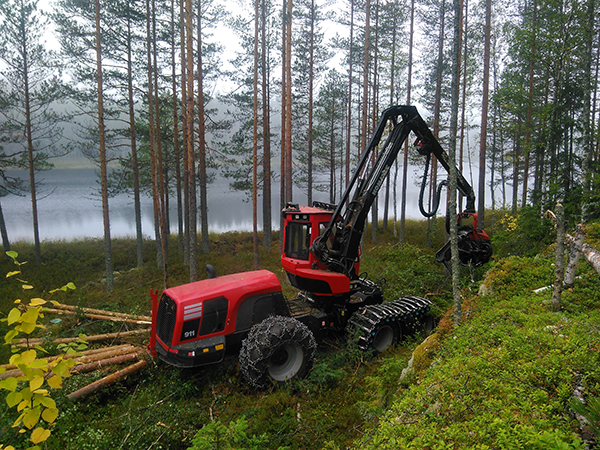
<point x="337" y="247"/>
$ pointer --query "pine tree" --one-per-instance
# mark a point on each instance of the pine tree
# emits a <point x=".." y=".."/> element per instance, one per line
<point x="32" y="90"/>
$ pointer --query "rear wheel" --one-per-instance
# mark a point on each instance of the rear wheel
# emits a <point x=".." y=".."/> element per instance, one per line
<point x="279" y="349"/>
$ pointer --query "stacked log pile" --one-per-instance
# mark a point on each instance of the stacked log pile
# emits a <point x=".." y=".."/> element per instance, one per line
<point x="105" y="357"/>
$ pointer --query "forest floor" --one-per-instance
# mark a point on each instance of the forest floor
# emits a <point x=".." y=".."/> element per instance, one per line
<point x="504" y="378"/>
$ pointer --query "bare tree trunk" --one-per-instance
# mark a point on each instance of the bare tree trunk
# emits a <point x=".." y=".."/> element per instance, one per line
<point x="176" y="148"/>
<point x="255" y="141"/>
<point x="134" y="156"/>
<point x="484" y="112"/>
<point x="408" y="99"/>
<point x="267" y="227"/>
<point x="193" y="243"/>
<point x="185" y="133"/>
<point x="162" y="188"/>
<point x="103" y="163"/>
<point x="284" y="56"/>
<point x="311" y="79"/>
<point x="456" y="59"/>
<point x="350" y="75"/>
<point x="365" y="99"/>
<point x="288" y="107"/>
<point x="559" y="268"/>
<point x="202" y="142"/>
<point x="529" y="124"/>
<point x="31" y="159"/>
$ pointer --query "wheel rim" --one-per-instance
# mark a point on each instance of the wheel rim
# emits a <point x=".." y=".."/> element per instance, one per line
<point x="384" y="337"/>
<point x="286" y="361"/>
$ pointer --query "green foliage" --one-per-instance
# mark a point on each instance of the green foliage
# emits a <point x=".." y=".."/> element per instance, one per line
<point x="216" y="436"/>
<point x="504" y="378"/>
<point x="29" y="385"/>
<point x="522" y="234"/>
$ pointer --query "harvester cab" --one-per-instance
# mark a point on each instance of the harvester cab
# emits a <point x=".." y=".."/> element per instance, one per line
<point x="198" y="323"/>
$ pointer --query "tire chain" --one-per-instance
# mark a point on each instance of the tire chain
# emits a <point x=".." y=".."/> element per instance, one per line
<point x="262" y="339"/>
<point x="406" y="312"/>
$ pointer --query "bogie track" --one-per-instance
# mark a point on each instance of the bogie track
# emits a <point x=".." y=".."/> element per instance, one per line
<point x="371" y="325"/>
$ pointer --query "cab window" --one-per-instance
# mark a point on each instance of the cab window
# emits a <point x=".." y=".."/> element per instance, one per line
<point x="297" y="240"/>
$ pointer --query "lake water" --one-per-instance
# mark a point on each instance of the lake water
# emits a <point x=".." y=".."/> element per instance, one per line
<point x="69" y="207"/>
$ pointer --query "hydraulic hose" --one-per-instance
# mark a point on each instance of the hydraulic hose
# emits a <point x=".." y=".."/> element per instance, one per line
<point x="436" y="198"/>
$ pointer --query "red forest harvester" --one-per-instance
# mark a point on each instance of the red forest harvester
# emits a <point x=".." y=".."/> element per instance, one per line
<point x="198" y="323"/>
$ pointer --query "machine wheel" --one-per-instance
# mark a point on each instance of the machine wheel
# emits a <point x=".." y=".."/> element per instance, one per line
<point x="279" y="349"/>
<point x="385" y="335"/>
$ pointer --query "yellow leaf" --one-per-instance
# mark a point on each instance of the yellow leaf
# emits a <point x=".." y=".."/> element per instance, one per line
<point x="13" y="316"/>
<point x="27" y="328"/>
<point x="27" y="287"/>
<point x="37" y="302"/>
<point x="26" y="358"/>
<point x="48" y="402"/>
<point x="24" y="404"/>
<point x="39" y="435"/>
<point x="32" y="417"/>
<point x="10" y="336"/>
<point x="50" y="415"/>
<point x="36" y="383"/>
<point x="12" y="274"/>
<point x="18" y="301"/>
<point x="39" y="364"/>
<point x="10" y="384"/>
<point x="55" y="382"/>
<point x="60" y="368"/>
<point x="13" y="399"/>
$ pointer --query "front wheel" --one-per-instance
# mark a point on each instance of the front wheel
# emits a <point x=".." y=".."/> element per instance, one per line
<point x="279" y="349"/>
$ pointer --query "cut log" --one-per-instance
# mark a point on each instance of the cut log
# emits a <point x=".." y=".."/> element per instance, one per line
<point x="106" y="381"/>
<point x="95" y="338"/>
<point x="591" y="255"/>
<point x="96" y="355"/>
<point x="96" y="365"/>
<point x="102" y="312"/>
<point x="97" y="316"/>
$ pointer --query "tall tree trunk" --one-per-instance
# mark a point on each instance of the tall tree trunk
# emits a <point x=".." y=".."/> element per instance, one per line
<point x="133" y="142"/>
<point x="162" y="187"/>
<point x="375" y="208"/>
<point x="103" y="163"/>
<point x="266" y="118"/>
<point x="588" y="118"/>
<point x="365" y="99"/>
<point x="30" y="156"/>
<point x="288" y="107"/>
<point x="255" y="141"/>
<point x="191" y="165"/>
<point x="152" y="139"/>
<point x="484" y="112"/>
<point x="283" y="159"/>
<point x="350" y="75"/>
<point x="408" y="95"/>
<point x="202" y="142"/>
<point x="176" y="148"/>
<point x="311" y="77"/>
<point x="529" y="124"/>
<point x="456" y="59"/>
<point x="184" y="132"/>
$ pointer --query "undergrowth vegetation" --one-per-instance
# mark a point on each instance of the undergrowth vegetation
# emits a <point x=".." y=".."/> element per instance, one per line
<point x="502" y="379"/>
